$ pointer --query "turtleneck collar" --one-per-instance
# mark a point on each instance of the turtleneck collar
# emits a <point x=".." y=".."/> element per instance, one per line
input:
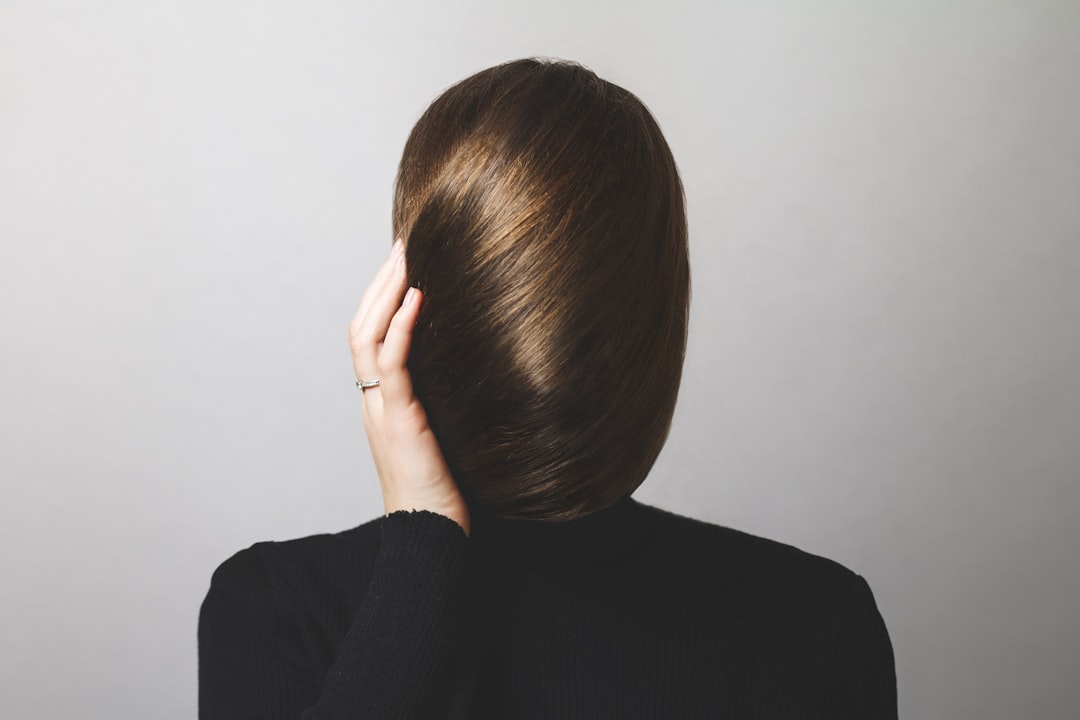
<point x="589" y="540"/>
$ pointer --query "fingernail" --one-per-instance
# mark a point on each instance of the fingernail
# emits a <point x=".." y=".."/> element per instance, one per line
<point x="400" y="259"/>
<point x="396" y="247"/>
<point x="410" y="296"/>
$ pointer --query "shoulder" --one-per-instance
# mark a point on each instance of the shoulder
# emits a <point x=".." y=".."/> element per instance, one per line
<point x="794" y="611"/>
<point x="739" y="549"/>
<point x="809" y="604"/>
<point x="726" y="560"/>
<point x="268" y="578"/>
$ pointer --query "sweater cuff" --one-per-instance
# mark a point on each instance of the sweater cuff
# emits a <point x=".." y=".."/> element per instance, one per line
<point x="423" y="530"/>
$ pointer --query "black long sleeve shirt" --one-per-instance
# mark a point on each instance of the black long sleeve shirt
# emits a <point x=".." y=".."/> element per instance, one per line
<point x="632" y="612"/>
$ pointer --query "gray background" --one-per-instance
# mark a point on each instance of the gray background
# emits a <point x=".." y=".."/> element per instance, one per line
<point x="884" y="343"/>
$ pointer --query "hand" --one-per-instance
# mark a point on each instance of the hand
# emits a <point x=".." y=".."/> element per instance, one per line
<point x="411" y="467"/>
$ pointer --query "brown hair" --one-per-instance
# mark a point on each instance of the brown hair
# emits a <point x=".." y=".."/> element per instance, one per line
<point x="544" y="220"/>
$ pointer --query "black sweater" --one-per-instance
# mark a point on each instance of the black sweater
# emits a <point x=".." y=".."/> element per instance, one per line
<point x="632" y="612"/>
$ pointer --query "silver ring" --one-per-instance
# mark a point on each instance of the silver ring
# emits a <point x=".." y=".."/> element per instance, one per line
<point x="363" y="385"/>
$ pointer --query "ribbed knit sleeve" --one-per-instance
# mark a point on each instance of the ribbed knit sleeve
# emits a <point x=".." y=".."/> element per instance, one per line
<point x="393" y="661"/>
<point x="862" y="674"/>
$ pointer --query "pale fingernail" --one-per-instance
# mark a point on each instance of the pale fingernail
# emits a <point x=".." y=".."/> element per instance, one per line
<point x="410" y="296"/>
<point x="400" y="260"/>
<point x="396" y="248"/>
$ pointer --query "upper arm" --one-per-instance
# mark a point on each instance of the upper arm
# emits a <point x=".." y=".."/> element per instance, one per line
<point x="248" y="667"/>
<point x="861" y="681"/>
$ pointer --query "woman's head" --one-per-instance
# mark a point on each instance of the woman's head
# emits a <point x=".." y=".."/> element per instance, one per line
<point x="544" y="219"/>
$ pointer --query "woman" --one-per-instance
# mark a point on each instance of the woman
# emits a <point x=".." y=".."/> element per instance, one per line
<point x="519" y="356"/>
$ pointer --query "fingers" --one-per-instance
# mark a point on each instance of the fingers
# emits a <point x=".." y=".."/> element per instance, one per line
<point x="381" y="333"/>
<point x="382" y="297"/>
<point x="383" y="305"/>
<point x="374" y="290"/>
<point x="393" y="358"/>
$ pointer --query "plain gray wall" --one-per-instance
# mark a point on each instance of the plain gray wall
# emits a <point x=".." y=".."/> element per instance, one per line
<point x="883" y="367"/>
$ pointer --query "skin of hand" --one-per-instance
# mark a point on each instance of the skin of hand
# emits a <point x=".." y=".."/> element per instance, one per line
<point x="412" y="470"/>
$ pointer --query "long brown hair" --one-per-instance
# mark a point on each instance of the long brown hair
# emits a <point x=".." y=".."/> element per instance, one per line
<point x="544" y="220"/>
